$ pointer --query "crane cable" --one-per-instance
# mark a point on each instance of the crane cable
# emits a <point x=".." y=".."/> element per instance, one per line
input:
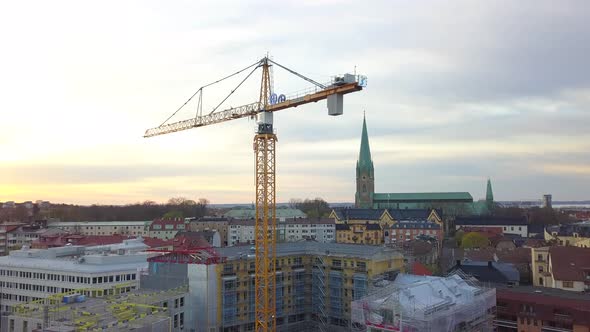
<point x="299" y="75"/>
<point x="212" y="83"/>
<point x="234" y="90"/>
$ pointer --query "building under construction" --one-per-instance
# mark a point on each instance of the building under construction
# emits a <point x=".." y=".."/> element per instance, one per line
<point x="142" y="311"/>
<point x="316" y="283"/>
<point x="426" y="304"/>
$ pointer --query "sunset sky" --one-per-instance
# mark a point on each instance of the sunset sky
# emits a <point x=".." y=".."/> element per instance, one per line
<point x="458" y="91"/>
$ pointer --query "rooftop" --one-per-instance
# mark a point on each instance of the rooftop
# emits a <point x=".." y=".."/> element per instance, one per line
<point x="426" y="197"/>
<point x="288" y="221"/>
<point x="570" y="263"/>
<point x="490" y="220"/>
<point x="97" y="223"/>
<point x="84" y="259"/>
<point x="316" y="248"/>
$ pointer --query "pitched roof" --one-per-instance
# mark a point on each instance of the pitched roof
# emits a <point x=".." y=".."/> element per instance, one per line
<point x="488" y="271"/>
<point x="375" y="214"/>
<point x="570" y="263"/>
<point x="424" y="197"/>
<point x="342" y="227"/>
<point x="399" y="214"/>
<point x="358" y="214"/>
<point x="420" y="270"/>
<point x="490" y="220"/>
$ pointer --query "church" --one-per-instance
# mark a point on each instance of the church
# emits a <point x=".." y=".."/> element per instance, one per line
<point x="452" y="204"/>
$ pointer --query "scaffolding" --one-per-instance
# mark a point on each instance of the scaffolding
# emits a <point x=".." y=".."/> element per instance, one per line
<point x="426" y="304"/>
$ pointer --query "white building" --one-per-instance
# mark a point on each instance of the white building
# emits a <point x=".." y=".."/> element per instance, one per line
<point x="136" y="228"/>
<point x="509" y="225"/>
<point x="426" y="304"/>
<point x="30" y="274"/>
<point x="289" y="230"/>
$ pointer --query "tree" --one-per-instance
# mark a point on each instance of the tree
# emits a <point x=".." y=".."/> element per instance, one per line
<point x="174" y="214"/>
<point x="181" y="201"/>
<point x="201" y="207"/>
<point x="314" y="208"/>
<point x="474" y="240"/>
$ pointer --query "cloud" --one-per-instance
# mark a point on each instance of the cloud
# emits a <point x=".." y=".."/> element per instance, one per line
<point x="457" y="92"/>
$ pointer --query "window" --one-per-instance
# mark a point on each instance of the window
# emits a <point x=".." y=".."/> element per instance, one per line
<point x="182" y="301"/>
<point x="540" y="268"/>
<point x="175" y="303"/>
<point x="568" y="284"/>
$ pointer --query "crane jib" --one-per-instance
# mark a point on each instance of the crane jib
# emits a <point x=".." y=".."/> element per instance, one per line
<point x="249" y="110"/>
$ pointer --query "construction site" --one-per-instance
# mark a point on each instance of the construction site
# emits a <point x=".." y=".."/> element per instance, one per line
<point x="141" y="310"/>
<point x="426" y="304"/>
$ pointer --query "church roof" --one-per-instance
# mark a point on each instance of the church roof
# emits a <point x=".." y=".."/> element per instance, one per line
<point x="365" y="161"/>
<point x="423" y="197"/>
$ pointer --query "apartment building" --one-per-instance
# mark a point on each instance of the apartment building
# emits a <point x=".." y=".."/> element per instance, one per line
<point x="218" y="224"/>
<point x="133" y="228"/>
<point x="540" y="309"/>
<point x="288" y="230"/>
<point x="577" y="234"/>
<point x="409" y="230"/>
<point x="31" y="274"/>
<point x="566" y="268"/>
<point x="510" y="225"/>
<point x="166" y="228"/>
<point x="316" y="283"/>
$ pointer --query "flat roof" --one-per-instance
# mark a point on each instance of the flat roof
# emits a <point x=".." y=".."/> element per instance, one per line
<point x="316" y="248"/>
<point x="71" y="264"/>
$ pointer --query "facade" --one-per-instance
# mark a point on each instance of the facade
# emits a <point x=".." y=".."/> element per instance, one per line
<point x="576" y="234"/>
<point x="218" y="224"/>
<point x="377" y="226"/>
<point x="316" y="283"/>
<point x="517" y="226"/>
<point x="408" y="230"/>
<point x="367" y="233"/>
<point x="32" y="274"/>
<point x="166" y="228"/>
<point x="288" y="230"/>
<point x="539" y="309"/>
<point x="566" y="268"/>
<point x="426" y="304"/>
<point x="134" y="228"/>
<point x="451" y="203"/>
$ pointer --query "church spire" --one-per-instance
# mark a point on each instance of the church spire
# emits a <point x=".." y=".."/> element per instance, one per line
<point x="365" y="153"/>
<point x="365" y="175"/>
<point x="489" y="193"/>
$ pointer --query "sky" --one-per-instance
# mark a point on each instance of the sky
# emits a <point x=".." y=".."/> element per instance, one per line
<point x="458" y="91"/>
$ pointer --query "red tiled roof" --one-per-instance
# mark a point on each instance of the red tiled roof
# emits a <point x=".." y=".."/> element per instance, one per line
<point x="514" y="256"/>
<point x="154" y="242"/>
<point x="569" y="263"/>
<point x="421" y="270"/>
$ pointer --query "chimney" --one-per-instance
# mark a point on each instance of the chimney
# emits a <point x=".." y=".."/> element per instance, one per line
<point x="490" y="264"/>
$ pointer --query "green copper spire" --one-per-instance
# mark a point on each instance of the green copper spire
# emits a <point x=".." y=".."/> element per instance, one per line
<point x="489" y="193"/>
<point x="365" y="162"/>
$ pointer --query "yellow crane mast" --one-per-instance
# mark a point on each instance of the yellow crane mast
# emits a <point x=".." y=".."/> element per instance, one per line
<point x="265" y="153"/>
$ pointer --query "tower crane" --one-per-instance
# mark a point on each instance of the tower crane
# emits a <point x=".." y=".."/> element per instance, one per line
<point x="264" y="151"/>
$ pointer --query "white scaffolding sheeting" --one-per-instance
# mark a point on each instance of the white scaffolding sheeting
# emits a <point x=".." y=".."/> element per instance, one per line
<point x="426" y="304"/>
